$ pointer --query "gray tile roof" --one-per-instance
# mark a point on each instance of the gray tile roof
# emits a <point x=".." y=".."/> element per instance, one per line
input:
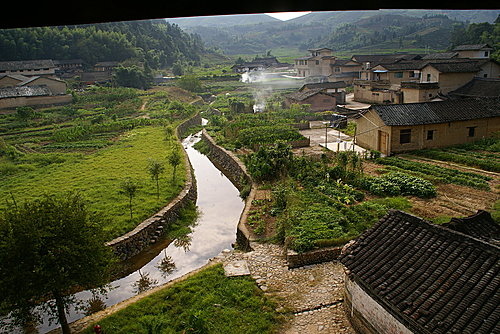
<point x="303" y="95"/>
<point x="480" y="226"/>
<point x="472" y="47"/>
<point x="456" y="67"/>
<point x="441" y="55"/>
<point x="26" y="64"/>
<point x="325" y="85"/>
<point x="432" y="279"/>
<point x="486" y="87"/>
<point x="24" y="91"/>
<point x="438" y="112"/>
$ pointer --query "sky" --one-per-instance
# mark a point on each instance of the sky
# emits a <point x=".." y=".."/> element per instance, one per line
<point x="287" y="15"/>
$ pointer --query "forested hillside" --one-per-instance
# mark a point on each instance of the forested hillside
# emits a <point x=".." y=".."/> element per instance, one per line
<point x="390" y="31"/>
<point x="339" y="30"/>
<point x="155" y="43"/>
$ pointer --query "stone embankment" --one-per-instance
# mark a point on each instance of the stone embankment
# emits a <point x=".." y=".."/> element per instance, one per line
<point x="149" y="231"/>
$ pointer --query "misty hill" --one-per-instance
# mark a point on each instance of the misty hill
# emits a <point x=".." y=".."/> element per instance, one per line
<point x="221" y="20"/>
<point x="339" y="30"/>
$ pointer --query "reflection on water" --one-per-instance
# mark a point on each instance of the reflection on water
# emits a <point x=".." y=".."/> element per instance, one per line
<point x="219" y="206"/>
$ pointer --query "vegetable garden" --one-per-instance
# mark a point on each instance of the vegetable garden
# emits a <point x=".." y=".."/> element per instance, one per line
<point x="328" y="200"/>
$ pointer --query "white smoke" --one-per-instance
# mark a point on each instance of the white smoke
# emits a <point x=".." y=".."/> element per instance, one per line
<point x="265" y="82"/>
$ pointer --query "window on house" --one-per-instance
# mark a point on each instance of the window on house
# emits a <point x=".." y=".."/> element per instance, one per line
<point x="486" y="53"/>
<point x="398" y="74"/>
<point x="405" y="136"/>
<point x="471" y="131"/>
<point x="485" y="75"/>
<point x="428" y="77"/>
<point x="430" y="134"/>
<point x="317" y="62"/>
<point x="337" y="69"/>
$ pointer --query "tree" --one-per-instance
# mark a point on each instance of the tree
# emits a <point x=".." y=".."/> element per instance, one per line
<point x="270" y="162"/>
<point x="129" y="188"/>
<point x="155" y="169"/>
<point x="174" y="159"/>
<point x="49" y="247"/>
<point x="191" y="83"/>
<point x="177" y="69"/>
<point x="132" y="76"/>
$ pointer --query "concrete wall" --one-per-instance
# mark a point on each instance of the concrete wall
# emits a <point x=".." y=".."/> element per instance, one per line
<point x="489" y="70"/>
<point x="57" y="87"/>
<point x="447" y="81"/>
<point x="366" y="315"/>
<point x="9" y="82"/>
<point x="419" y="93"/>
<point x="375" y="92"/>
<point x="147" y="232"/>
<point x="368" y="128"/>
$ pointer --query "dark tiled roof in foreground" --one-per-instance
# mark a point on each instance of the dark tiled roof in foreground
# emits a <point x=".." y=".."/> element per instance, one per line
<point x="480" y="226"/>
<point x="432" y="279"/>
<point x="438" y="112"/>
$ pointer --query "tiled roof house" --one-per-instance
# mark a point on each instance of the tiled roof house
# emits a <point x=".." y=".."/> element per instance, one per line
<point x="413" y="126"/>
<point x="407" y="275"/>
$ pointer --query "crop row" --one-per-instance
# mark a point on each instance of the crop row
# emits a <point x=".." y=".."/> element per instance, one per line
<point x="468" y="158"/>
<point x="438" y="173"/>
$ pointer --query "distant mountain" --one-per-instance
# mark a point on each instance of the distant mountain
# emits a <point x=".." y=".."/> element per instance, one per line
<point x="222" y="20"/>
<point x="390" y="31"/>
<point x="339" y="30"/>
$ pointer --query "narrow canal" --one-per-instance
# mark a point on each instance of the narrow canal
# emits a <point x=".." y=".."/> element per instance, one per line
<point x="219" y="206"/>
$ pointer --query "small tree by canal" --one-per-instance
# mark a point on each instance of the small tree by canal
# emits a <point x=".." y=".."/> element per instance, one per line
<point x="49" y="247"/>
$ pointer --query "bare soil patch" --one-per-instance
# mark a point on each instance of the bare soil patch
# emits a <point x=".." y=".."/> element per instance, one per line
<point x="452" y="200"/>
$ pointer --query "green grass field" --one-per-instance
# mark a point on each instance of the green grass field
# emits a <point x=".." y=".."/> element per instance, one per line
<point x="208" y="302"/>
<point x="98" y="177"/>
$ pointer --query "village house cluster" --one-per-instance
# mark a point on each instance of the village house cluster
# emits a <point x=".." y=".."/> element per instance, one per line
<point x="43" y="82"/>
<point x="412" y="101"/>
<point x="405" y="274"/>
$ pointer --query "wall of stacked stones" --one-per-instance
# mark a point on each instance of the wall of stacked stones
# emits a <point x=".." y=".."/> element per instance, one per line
<point x="149" y="231"/>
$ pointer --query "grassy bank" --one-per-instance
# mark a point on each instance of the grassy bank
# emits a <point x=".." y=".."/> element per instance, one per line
<point x="98" y="177"/>
<point x="208" y="302"/>
<point x="108" y="135"/>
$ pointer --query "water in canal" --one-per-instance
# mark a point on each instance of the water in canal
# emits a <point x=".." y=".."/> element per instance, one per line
<point x="219" y="207"/>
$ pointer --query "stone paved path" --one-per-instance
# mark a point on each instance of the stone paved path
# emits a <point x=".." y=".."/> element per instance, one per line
<point x="313" y="294"/>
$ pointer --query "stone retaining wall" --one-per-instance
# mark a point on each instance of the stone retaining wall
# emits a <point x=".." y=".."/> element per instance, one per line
<point x="296" y="260"/>
<point x="147" y="232"/>
<point x="227" y="162"/>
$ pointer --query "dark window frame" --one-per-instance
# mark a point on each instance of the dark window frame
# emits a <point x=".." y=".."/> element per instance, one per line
<point x="405" y="136"/>
<point x="471" y="131"/>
